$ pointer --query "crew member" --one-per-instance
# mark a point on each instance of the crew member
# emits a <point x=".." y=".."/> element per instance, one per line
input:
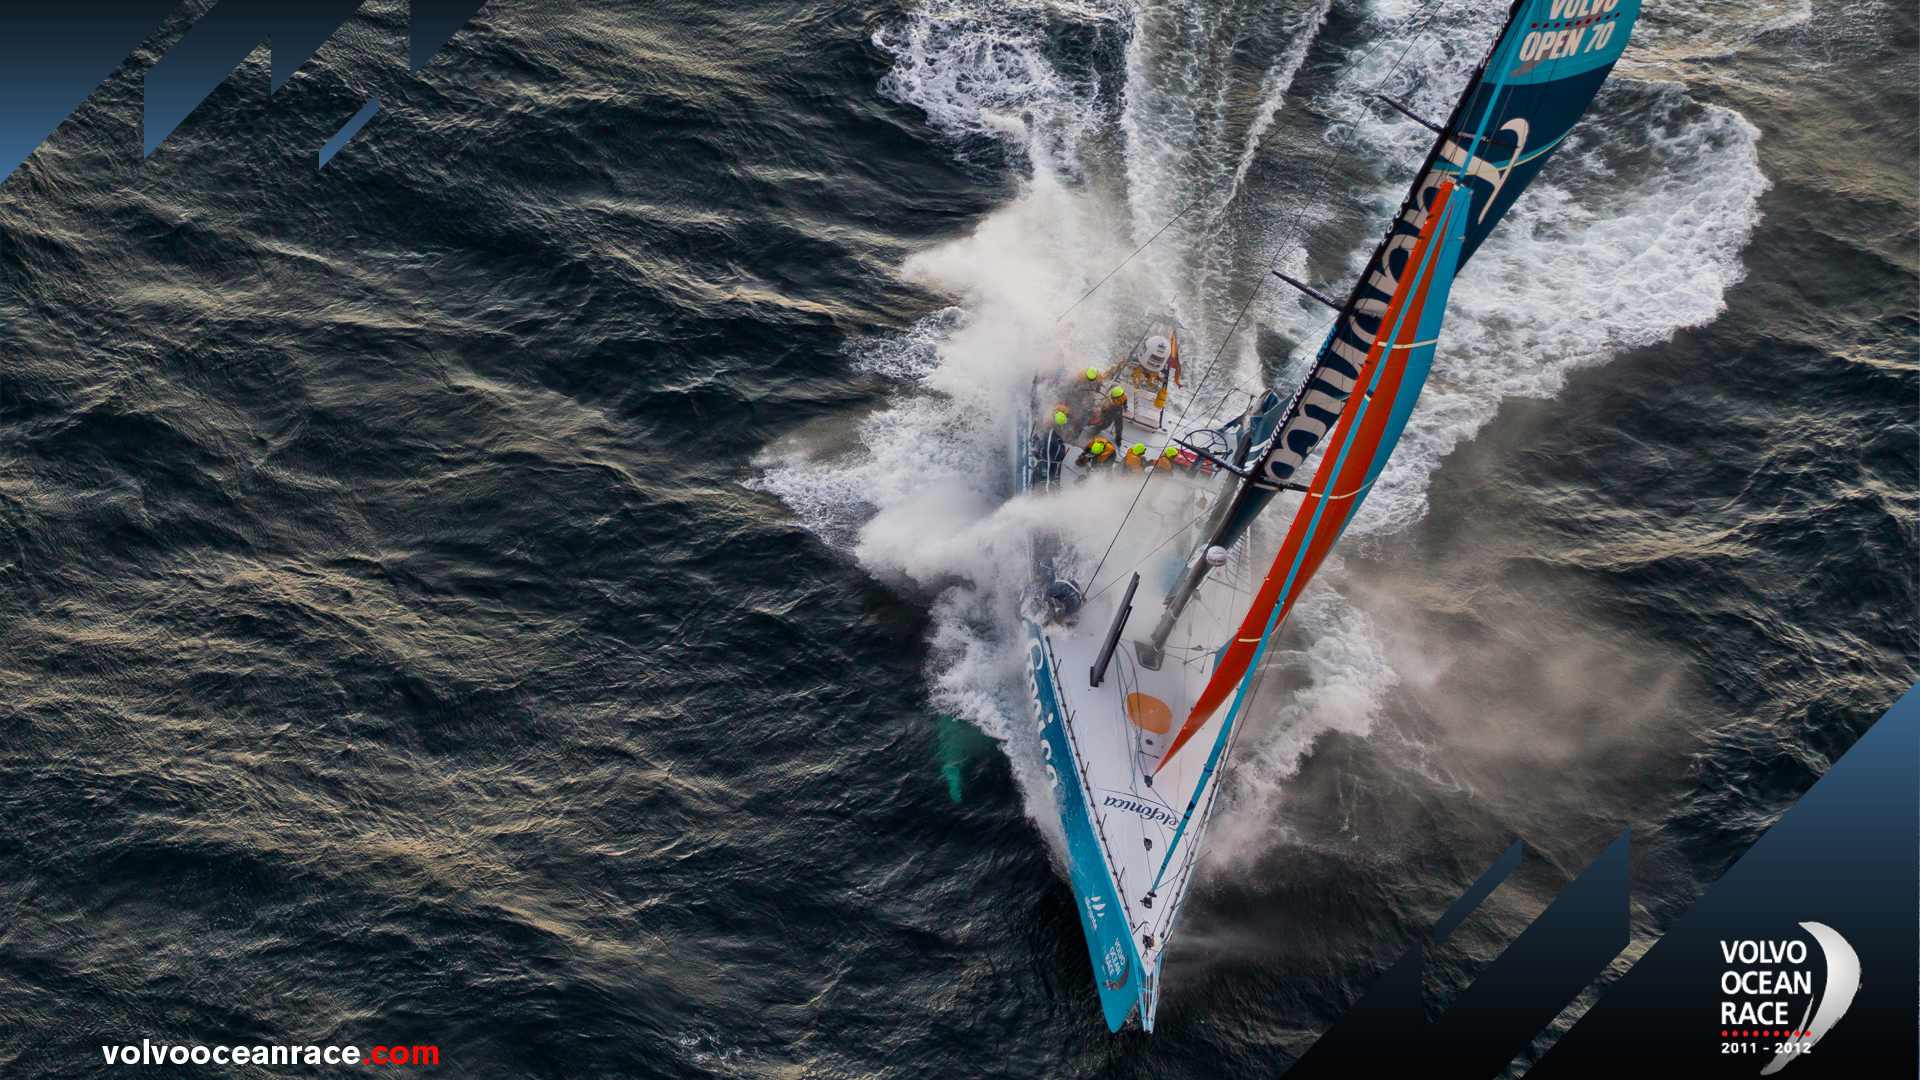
<point x="1067" y="419"/>
<point x="1137" y="457"/>
<point x="1063" y="602"/>
<point x="1169" y="458"/>
<point x="1091" y="402"/>
<point x="1098" y="452"/>
<point x="1052" y="447"/>
<point x="1112" y="413"/>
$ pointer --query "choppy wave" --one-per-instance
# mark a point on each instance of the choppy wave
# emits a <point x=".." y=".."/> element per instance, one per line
<point x="380" y="595"/>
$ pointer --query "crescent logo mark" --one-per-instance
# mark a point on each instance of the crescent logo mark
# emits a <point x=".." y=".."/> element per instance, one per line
<point x="1843" y="981"/>
<point x="1474" y="167"/>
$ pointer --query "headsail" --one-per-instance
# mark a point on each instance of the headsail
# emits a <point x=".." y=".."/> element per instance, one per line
<point x="1391" y="377"/>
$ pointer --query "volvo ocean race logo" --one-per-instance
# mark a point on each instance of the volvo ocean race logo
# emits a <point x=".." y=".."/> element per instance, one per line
<point x="1763" y="982"/>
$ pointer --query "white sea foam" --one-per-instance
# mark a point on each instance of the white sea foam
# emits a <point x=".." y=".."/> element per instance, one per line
<point x="981" y="69"/>
<point x="906" y="354"/>
<point x="1708" y="29"/>
<point x="1569" y="281"/>
<point x="1273" y="90"/>
<point x="925" y="500"/>
<point x="1634" y="231"/>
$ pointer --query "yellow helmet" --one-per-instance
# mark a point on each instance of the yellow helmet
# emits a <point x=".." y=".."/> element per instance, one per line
<point x="1172" y="451"/>
<point x="1060" y="417"/>
<point x="1140" y="448"/>
<point x="1093" y="374"/>
<point x="1117" y="394"/>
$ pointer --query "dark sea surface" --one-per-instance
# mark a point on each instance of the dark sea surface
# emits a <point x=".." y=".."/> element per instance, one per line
<point x="448" y="597"/>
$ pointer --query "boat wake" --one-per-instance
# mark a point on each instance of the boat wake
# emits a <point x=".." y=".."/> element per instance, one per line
<point x="1113" y="119"/>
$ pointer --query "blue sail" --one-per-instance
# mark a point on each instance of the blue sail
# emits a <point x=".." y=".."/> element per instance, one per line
<point x="1534" y="86"/>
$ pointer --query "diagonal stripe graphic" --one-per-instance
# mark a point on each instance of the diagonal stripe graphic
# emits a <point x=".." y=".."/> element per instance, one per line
<point x="1500" y="1013"/>
<point x="348" y="130"/>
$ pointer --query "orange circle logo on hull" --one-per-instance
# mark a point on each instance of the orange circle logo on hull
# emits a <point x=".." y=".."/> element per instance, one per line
<point x="1149" y="713"/>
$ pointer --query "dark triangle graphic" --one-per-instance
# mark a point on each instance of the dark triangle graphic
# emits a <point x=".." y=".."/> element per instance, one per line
<point x="348" y="130"/>
<point x="300" y="28"/>
<point x="182" y="78"/>
<point x="434" y="23"/>
<point x="202" y="60"/>
<point x="1482" y="889"/>
<point x="1538" y="975"/>
<point x="53" y="55"/>
<point x="1380" y="1035"/>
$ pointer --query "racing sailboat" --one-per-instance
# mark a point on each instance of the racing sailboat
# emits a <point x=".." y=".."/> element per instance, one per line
<point x="1136" y="715"/>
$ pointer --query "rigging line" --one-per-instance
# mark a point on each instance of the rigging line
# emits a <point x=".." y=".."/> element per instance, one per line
<point x="1300" y="205"/>
<point x="1253" y="383"/>
<point x="1128" y="259"/>
<point x="1302" y="200"/>
<point x="1095" y="576"/>
<point x="1150" y="554"/>
<point x="1259" y="379"/>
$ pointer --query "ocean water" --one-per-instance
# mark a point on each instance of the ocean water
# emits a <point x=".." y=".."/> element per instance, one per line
<point x="538" y="585"/>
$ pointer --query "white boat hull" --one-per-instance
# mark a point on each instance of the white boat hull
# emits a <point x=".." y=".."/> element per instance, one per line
<point x="1133" y="824"/>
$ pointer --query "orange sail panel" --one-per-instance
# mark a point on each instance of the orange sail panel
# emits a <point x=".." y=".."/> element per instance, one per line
<point x="1369" y="426"/>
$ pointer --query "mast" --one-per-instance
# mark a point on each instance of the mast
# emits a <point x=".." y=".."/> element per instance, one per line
<point x="1200" y="561"/>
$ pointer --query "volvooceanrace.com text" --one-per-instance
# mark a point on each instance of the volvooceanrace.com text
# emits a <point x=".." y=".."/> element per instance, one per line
<point x="149" y="1053"/>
